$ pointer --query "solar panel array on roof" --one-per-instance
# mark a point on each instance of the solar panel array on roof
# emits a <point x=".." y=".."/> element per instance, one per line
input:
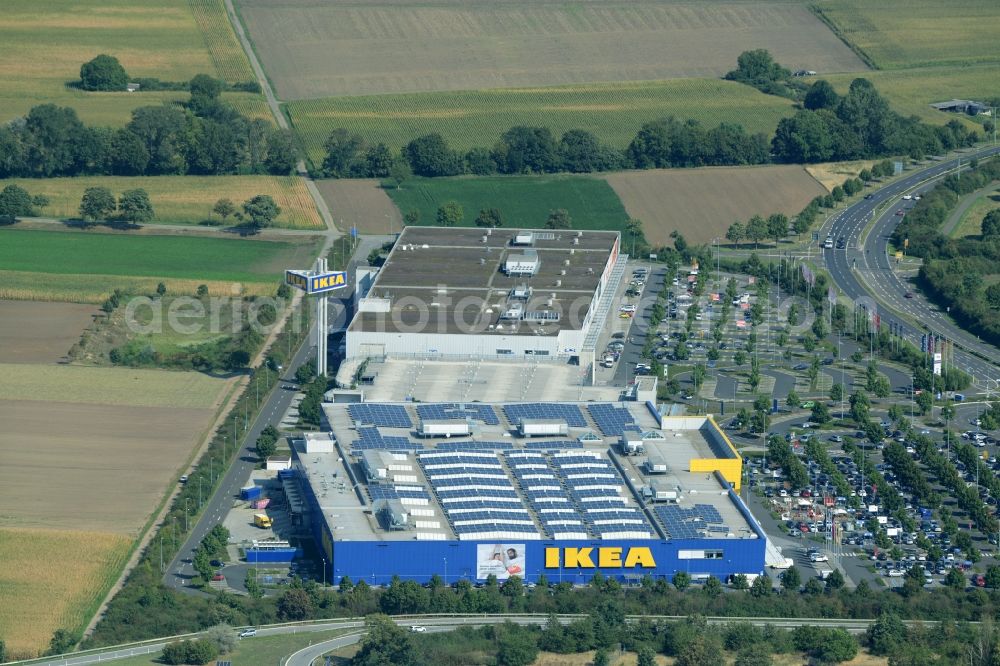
<point x="376" y="414"/>
<point x="371" y="438"/>
<point x="473" y="446"/>
<point x="695" y="522"/>
<point x="571" y="414"/>
<point x="383" y="491"/>
<point x="477" y="495"/>
<point x="611" y="420"/>
<point x="599" y="494"/>
<point x="552" y="446"/>
<point x="458" y="411"/>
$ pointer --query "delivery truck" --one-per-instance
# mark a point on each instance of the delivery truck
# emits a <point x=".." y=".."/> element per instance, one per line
<point x="262" y="520"/>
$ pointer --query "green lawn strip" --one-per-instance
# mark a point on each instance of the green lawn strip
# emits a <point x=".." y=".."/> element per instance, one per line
<point x="524" y="201"/>
<point x="93" y="252"/>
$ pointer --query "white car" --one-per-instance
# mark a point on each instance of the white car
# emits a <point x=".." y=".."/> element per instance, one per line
<point x="907" y="197"/>
<point x="417" y="629"/>
<point x="818" y="557"/>
<point x="895" y="573"/>
<point x="247" y="633"/>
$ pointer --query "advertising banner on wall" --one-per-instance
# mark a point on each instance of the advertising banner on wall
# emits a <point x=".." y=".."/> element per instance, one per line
<point x="503" y="560"/>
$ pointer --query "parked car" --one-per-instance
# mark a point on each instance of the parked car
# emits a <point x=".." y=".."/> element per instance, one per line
<point x="247" y="633"/>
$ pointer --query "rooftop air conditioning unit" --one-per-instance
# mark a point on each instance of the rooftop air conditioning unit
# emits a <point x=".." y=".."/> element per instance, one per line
<point x="484" y="238"/>
<point x="558" y="283"/>
<point x="576" y="241"/>
<point x="579" y="234"/>
<point x="566" y="262"/>
<point x="562" y="272"/>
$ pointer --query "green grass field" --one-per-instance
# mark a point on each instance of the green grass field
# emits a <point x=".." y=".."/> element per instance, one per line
<point x="613" y="112"/>
<point x="257" y="650"/>
<point x="897" y="34"/>
<point x="524" y="201"/>
<point x="911" y="91"/>
<point x="43" y="44"/>
<point x="182" y="199"/>
<point x="971" y="223"/>
<point x="96" y="253"/>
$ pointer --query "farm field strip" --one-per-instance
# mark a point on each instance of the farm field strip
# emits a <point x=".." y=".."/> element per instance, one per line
<point x="125" y="387"/>
<point x="53" y="579"/>
<point x="614" y="112"/>
<point x="971" y="222"/>
<point x="227" y="54"/>
<point x="40" y="332"/>
<point x="30" y="286"/>
<point x="918" y="33"/>
<point x="95" y="253"/>
<point x="182" y="199"/>
<point x="362" y="204"/>
<point x="524" y="201"/>
<point x="702" y="203"/>
<point x="415" y="47"/>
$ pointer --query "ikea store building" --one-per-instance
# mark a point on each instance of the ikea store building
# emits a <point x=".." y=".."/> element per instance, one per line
<point x="564" y="490"/>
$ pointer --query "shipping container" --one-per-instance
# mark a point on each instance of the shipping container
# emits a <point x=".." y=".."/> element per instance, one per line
<point x="251" y="492"/>
<point x="261" y="503"/>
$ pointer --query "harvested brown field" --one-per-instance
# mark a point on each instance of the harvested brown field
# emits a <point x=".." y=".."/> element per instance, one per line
<point x="702" y="203"/>
<point x="386" y="46"/>
<point x="91" y="467"/>
<point x="53" y="579"/>
<point x="831" y="174"/>
<point x="362" y="204"/>
<point x="40" y="332"/>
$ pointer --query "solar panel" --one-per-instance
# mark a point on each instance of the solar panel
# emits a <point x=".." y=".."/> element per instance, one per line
<point x="571" y="414"/>
<point x="611" y="420"/>
<point x="458" y="411"/>
<point x="386" y="416"/>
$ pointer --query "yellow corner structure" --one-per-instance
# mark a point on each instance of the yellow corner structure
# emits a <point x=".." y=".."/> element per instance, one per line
<point x="731" y="469"/>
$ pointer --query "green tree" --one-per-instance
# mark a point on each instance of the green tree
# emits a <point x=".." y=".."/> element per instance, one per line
<point x="837" y="392"/>
<point x="15" y="202"/>
<point x="792" y="400"/>
<point x="681" y="580"/>
<point x="224" y="208"/>
<point x="702" y="650"/>
<point x="223" y="636"/>
<point x="954" y="579"/>
<point x="205" y="91"/>
<point x="253" y="587"/>
<point x="411" y="217"/>
<point x="601" y="658"/>
<point x="294" y="604"/>
<point x="202" y="563"/>
<point x="134" y="206"/>
<point x="740" y="582"/>
<point x="777" y="226"/>
<point x="883" y="388"/>
<point x="261" y="210"/>
<point x="342" y="152"/>
<point x="886" y="634"/>
<point x="791" y="579"/>
<point x="399" y="172"/>
<point x="756" y="230"/>
<point x="821" y="95"/>
<point x="103" y="73"/>
<point x="645" y="657"/>
<point x="515" y="646"/>
<point x="559" y="219"/>
<point x="820" y="413"/>
<point x="713" y="586"/>
<point x="489" y="217"/>
<point x="734" y="235"/>
<point x="834" y="581"/>
<point x="450" y="214"/>
<point x="266" y="447"/>
<point x="430" y="156"/>
<point x="161" y="289"/>
<point x="62" y="641"/>
<point x="97" y="204"/>
<point x="761" y="587"/>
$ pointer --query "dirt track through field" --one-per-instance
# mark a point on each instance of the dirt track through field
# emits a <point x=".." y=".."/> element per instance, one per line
<point x="90" y="467"/>
<point x="40" y="332"/>
<point x="383" y="47"/>
<point x="702" y="203"/>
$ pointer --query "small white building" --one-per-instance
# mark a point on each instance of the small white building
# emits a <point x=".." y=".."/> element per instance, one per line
<point x="279" y="462"/>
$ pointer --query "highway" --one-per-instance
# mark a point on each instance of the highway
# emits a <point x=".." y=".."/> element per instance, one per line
<point x="866" y="260"/>
<point x="305" y="656"/>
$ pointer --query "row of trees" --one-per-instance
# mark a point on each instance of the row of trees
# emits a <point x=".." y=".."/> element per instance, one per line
<point x="860" y="125"/>
<point x="98" y="204"/>
<point x="203" y="137"/>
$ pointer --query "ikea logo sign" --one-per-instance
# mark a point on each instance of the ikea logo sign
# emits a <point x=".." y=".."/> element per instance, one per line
<point x="325" y="282"/>
<point x="315" y="284"/>
<point x="605" y="557"/>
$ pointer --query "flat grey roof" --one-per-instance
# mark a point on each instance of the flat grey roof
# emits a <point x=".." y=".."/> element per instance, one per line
<point x="351" y="519"/>
<point x="460" y="271"/>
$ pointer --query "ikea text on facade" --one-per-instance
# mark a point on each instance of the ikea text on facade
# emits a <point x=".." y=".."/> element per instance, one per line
<point x="606" y="557"/>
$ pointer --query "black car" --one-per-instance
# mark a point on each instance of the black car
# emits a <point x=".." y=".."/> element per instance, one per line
<point x="827" y="361"/>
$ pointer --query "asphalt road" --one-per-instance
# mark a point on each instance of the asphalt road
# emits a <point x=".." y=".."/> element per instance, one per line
<point x="432" y="622"/>
<point x="872" y="265"/>
<point x="179" y="573"/>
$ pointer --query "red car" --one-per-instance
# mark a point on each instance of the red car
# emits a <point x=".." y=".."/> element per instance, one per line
<point x="900" y="212"/>
<point x="218" y="577"/>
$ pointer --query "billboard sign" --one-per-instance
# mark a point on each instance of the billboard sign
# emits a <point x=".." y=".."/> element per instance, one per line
<point x="937" y="363"/>
<point x="503" y="560"/>
<point x="316" y="283"/>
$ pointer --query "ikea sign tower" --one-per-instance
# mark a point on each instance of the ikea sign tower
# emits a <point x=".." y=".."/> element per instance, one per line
<point x="318" y="281"/>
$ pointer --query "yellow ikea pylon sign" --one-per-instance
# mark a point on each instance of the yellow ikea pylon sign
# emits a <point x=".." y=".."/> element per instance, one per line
<point x="608" y="557"/>
<point x="315" y="284"/>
